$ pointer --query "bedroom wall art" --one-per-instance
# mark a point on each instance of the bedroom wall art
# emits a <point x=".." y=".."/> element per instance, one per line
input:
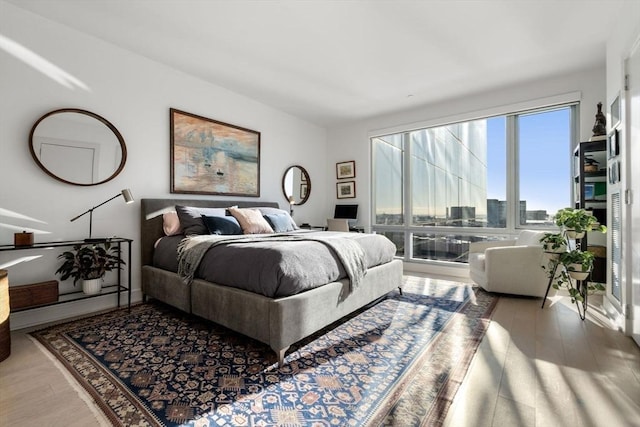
<point x="346" y="169"/>
<point x="212" y="157"/>
<point x="346" y="190"/>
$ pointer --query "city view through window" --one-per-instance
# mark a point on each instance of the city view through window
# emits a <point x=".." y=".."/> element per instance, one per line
<point x="496" y="174"/>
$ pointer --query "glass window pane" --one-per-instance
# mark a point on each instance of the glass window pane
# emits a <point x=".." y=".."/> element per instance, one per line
<point x="455" y="170"/>
<point x="388" y="175"/>
<point x="544" y="148"/>
<point x="497" y="172"/>
<point x="446" y="247"/>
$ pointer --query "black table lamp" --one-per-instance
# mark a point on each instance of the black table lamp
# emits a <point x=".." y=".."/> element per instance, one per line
<point x="128" y="198"/>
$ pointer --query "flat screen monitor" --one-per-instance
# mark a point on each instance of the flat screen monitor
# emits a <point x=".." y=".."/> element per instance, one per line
<point x="348" y="212"/>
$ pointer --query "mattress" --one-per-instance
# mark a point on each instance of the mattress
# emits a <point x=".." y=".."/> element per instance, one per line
<point x="277" y="268"/>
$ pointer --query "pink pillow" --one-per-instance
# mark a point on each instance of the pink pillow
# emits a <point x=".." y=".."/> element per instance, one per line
<point x="171" y="224"/>
<point x="251" y="221"/>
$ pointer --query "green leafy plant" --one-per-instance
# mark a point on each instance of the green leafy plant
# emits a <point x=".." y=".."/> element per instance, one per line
<point x="87" y="262"/>
<point x="579" y="220"/>
<point x="553" y="242"/>
<point x="577" y="257"/>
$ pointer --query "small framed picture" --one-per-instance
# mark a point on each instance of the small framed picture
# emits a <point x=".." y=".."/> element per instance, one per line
<point x="303" y="191"/>
<point x="346" y="169"/>
<point x="615" y="112"/>
<point x="614" y="145"/>
<point x="346" y="190"/>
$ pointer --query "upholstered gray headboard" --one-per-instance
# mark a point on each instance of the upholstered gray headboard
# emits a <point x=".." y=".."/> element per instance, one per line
<point x="151" y="218"/>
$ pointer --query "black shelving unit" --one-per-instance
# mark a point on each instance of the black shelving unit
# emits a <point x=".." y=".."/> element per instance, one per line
<point x="590" y="180"/>
<point x="107" y="289"/>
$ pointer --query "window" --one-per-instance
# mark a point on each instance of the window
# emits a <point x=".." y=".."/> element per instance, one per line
<point x="437" y="189"/>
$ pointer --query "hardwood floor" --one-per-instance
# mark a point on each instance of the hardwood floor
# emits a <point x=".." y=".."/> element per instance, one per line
<point x="546" y="367"/>
<point x="535" y="367"/>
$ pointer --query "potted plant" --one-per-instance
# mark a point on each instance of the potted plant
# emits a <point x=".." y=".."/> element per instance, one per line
<point x="554" y="242"/>
<point x="576" y="222"/>
<point x="578" y="263"/>
<point x="89" y="263"/>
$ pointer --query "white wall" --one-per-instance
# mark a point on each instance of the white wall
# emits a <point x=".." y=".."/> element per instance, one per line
<point x="134" y="94"/>
<point x="619" y="46"/>
<point x="351" y="141"/>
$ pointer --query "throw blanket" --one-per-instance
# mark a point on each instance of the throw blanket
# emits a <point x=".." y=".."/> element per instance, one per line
<point x="350" y="253"/>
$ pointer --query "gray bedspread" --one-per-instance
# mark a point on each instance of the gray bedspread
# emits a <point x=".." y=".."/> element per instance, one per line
<point x="282" y="264"/>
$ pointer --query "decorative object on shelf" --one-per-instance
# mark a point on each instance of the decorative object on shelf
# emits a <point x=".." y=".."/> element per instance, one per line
<point x="77" y="147"/>
<point x="576" y="222"/>
<point x="128" y="198"/>
<point x="33" y="294"/>
<point x="346" y="169"/>
<point x="590" y="164"/>
<point x="346" y="190"/>
<point x="212" y="157"/>
<point x="23" y="239"/>
<point x="88" y="262"/>
<point x="600" y="126"/>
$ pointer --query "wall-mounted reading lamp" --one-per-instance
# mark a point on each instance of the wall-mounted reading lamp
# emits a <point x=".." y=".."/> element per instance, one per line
<point x="292" y="201"/>
<point x="128" y="198"/>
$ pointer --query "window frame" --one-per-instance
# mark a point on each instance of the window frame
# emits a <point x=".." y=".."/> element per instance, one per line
<point x="513" y="225"/>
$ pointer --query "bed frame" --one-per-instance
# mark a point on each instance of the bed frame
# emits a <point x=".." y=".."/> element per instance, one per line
<point x="277" y="322"/>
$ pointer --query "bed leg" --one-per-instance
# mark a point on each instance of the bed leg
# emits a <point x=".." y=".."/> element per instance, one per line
<point x="400" y="289"/>
<point x="280" y="354"/>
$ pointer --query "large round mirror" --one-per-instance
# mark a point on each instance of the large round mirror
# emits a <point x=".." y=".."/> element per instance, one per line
<point x="296" y="185"/>
<point x="77" y="147"/>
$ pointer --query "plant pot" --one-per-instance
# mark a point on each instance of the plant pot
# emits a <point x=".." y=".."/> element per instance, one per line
<point x="575" y="271"/>
<point x="571" y="234"/>
<point x="548" y="248"/>
<point x="92" y="286"/>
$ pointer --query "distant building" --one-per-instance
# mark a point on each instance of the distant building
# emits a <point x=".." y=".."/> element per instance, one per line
<point x="539" y="215"/>
<point x="496" y="213"/>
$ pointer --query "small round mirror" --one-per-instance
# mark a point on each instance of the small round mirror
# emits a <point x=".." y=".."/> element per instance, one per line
<point x="296" y="185"/>
<point x="77" y="147"/>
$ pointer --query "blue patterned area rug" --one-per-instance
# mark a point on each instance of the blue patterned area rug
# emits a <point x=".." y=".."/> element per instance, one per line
<point x="398" y="362"/>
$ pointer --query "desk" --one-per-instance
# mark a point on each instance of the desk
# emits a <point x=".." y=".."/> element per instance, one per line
<point x="107" y="289"/>
<point x="356" y="229"/>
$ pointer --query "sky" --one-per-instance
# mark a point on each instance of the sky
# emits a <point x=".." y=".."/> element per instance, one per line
<point x="545" y="161"/>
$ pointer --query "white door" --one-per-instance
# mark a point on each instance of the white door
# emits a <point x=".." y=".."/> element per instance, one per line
<point x="633" y="145"/>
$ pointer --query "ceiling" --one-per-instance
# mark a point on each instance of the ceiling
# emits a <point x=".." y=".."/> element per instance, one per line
<point x="331" y="62"/>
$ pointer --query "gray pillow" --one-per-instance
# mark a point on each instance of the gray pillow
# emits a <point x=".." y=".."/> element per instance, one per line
<point x="191" y="218"/>
<point x="281" y="223"/>
<point x="275" y="211"/>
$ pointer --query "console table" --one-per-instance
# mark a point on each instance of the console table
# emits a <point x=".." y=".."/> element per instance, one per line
<point x="107" y="289"/>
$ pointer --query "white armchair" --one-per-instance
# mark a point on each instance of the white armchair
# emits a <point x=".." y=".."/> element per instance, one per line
<point x="510" y="266"/>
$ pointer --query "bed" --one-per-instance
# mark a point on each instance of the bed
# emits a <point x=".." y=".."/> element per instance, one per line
<point x="278" y="321"/>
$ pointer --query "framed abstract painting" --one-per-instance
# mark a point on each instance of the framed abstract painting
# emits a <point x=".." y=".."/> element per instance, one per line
<point x="212" y="157"/>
